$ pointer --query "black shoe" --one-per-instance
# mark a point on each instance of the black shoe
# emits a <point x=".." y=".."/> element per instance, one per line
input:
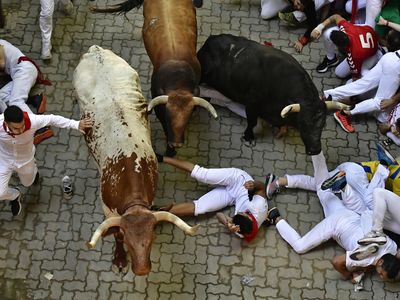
<point x="327" y="63"/>
<point x="36" y="181"/>
<point x="335" y="183"/>
<point x="160" y="158"/>
<point x="273" y="214"/>
<point x="16" y="206"/>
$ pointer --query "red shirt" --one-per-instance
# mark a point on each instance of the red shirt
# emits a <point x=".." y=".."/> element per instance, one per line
<point x="363" y="44"/>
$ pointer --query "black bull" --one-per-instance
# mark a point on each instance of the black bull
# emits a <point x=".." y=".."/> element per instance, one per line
<point x="265" y="80"/>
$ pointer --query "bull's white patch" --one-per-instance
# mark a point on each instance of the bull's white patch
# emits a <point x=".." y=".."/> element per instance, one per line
<point x="109" y="90"/>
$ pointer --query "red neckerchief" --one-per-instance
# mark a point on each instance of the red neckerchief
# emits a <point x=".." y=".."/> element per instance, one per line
<point x="27" y="122"/>
<point x="40" y="78"/>
<point x="353" y="11"/>
<point x="250" y="236"/>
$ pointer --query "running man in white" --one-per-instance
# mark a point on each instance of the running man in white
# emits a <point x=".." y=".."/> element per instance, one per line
<point x="17" y="152"/>
<point x="46" y="22"/>
<point x="345" y="227"/>
<point x="234" y="187"/>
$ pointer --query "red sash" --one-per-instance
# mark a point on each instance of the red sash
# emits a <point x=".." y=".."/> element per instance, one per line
<point x="40" y="78"/>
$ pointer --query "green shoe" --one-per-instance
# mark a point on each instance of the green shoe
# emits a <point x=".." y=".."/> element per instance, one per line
<point x="289" y="19"/>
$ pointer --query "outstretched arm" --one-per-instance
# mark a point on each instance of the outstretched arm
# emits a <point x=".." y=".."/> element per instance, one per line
<point x="334" y="19"/>
<point x="178" y="163"/>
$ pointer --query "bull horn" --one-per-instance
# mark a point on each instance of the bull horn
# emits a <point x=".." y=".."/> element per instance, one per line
<point x="334" y="105"/>
<point x="289" y="109"/>
<point x="157" y="101"/>
<point x="203" y="103"/>
<point x="168" y="217"/>
<point x="110" y="222"/>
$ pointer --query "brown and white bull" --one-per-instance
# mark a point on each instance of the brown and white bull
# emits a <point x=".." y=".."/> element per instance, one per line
<point x="170" y="36"/>
<point x="109" y="91"/>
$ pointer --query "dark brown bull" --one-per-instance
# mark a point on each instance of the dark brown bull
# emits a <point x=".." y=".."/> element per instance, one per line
<point x="170" y="35"/>
<point x="108" y="90"/>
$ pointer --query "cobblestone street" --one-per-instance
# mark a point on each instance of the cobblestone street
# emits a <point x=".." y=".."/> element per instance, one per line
<point x="49" y="235"/>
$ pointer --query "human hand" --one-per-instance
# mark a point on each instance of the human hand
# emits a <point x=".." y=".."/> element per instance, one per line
<point x="315" y="34"/>
<point x="386" y="103"/>
<point x="85" y="124"/>
<point x="382" y="21"/>
<point x="233" y="228"/>
<point x="298" y="46"/>
<point x="249" y="185"/>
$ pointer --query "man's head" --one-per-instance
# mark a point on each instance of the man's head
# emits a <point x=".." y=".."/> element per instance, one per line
<point x="244" y="221"/>
<point x="340" y="39"/>
<point x="393" y="40"/>
<point x="14" y="118"/>
<point x="388" y="267"/>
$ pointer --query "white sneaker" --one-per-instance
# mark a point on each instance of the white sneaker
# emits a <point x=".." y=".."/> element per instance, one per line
<point x="373" y="237"/>
<point x="46" y="52"/>
<point x="67" y="187"/>
<point x="364" y="251"/>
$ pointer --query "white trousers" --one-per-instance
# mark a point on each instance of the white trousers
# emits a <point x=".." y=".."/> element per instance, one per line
<point x="361" y="5"/>
<point x="270" y="8"/>
<point x="343" y="69"/>
<point x="16" y="91"/>
<point x="219" y="99"/>
<point x="386" y="211"/>
<point x="25" y="173"/>
<point x="230" y="181"/>
<point x="385" y="75"/>
<point x="46" y="21"/>
<point x="357" y="196"/>
<point x="328" y="228"/>
<point x="373" y="9"/>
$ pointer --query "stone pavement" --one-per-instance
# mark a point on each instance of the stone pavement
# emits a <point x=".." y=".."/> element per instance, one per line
<point x="49" y="236"/>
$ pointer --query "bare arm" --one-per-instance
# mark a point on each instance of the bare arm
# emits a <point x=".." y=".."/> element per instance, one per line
<point x="390" y="24"/>
<point x="257" y="186"/>
<point x="334" y="19"/>
<point x="339" y="263"/>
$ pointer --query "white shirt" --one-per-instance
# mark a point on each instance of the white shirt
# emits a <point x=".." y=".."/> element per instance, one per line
<point x="19" y="150"/>
<point x="12" y="55"/>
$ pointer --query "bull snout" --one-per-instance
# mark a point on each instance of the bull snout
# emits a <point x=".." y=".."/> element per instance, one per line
<point x="175" y="144"/>
<point x="141" y="270"/>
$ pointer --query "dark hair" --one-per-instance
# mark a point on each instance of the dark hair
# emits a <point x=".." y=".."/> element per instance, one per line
<point x="339" y="38"/>
<point x="391" y="265"/>
<point x="13" y="114"/>
<point x="397" y="123"/>
<point x="393" y="40"/>
<point x="245" y="224"/>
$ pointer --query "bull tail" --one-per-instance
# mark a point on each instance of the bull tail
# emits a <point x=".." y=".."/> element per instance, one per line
<point x="120" y="8"/>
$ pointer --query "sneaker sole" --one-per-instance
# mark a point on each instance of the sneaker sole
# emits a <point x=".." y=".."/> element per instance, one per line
<point x="341" y="125"/>
<point x="271" y="178"/>
<point x="362" y="254"/>
<point x="41" y="137"/>
<point x="366" y="241"/>
<point x="327" y="184"/>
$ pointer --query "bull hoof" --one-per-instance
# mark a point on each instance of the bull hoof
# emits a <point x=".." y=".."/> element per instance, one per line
<point x="248" y="143"/>
<point x="120" y="270"/>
